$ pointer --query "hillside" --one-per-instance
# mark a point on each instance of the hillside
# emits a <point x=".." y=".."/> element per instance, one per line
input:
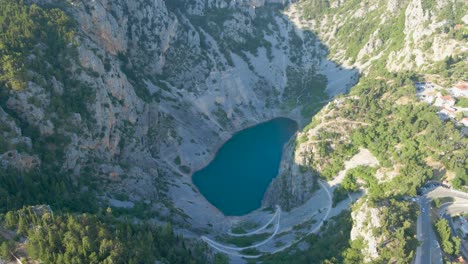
<point x="395" y="44"/>
<point x="108" y="107"/>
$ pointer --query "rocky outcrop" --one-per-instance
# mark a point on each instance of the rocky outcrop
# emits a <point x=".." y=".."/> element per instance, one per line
<point x="427" y="32"/>
<point x="366" y="220"/>
<point x="294" y="185"/>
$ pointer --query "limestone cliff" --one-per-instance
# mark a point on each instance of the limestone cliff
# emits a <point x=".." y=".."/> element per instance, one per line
<point x="162" y="85"/>
<point x="402" y="35"/>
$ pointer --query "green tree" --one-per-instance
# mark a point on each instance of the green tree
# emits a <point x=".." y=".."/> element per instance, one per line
<point x="449" y="245"/>
<point x="220" y="258"/>
<point x="349" y="183"/>
<point x="6" y="248"/>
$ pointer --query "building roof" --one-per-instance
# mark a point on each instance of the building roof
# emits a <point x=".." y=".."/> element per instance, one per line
<point x="447" y="98"/>
<point x="465" y="121"/>
<point x="462" y="85"/>
<point x="449" y="109"/>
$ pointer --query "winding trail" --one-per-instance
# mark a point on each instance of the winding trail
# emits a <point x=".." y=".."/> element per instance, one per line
<point x="210" y="241"/>
<point x="317" y="227"/>
<point x="278" y="211"/>
<point x="235" y="250"/>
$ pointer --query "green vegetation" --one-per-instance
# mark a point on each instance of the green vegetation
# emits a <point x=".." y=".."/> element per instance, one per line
<point x="245" y="241"/>
<point x="462" y="102"/>
<point x="305" y="225"/>
<point x="6" y="247"/>
<point x="339" y="194"/>
<point x="250" y="251"/>
<point x="38" y="47"/>
<point x="242" y="227"/>
<point x="18" y="188"/>
<point x="449" y="242"/>
<point x="353" y="254"/>
<point x="390" y="33"/>
<point x="399" y="230"/>
<point x="350" y="184"/>
<point x="403" y="134"/>
<point x="437" y="202"/>
<point x="22" y="27"/>
<point x="84" y="238"/>
<point x="220" y="258"/>
<point x="452" y="68"/>
<point x="313" y="9"/>
<point x="337" y="156"/>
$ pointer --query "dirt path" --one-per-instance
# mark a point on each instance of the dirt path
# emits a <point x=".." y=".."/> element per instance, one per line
<point x="313" y="131"/>
<point x="210" y="241"/>
<point x="278" y="211"/>
<point x="235" y="250"/>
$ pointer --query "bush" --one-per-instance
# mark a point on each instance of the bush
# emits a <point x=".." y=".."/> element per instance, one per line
<point x="6" y="248"/>
<point x="339" y="194"/>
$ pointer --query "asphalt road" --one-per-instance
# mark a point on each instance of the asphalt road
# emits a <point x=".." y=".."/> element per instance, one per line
<point x="429" y="252"/>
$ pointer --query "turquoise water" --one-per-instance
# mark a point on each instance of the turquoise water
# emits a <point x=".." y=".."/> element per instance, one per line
<point x="237" y="178"/>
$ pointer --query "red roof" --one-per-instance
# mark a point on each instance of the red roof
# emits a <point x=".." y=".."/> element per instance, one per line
<point x="462" y="85"/>
<point x="447" y="98"/>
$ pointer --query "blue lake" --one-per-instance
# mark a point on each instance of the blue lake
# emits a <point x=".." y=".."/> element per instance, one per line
<point x="237" y="178"/>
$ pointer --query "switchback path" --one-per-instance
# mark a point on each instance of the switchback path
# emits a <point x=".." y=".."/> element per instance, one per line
<point x="212" y="242"/>
<point x="277" y="213"/>
<point x="235" y="251"/>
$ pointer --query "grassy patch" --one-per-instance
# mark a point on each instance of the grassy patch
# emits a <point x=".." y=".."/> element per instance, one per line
<point x="245" y="241"/>
<point x="242" y="227"/>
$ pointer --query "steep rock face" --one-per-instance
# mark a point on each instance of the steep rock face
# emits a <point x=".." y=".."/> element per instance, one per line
<point x="420" y="27"/>
<point x="411" y="35"/>
<point x="166" y="83"/>
<point x="294" y="185"/>
<point x="365" y="221"/>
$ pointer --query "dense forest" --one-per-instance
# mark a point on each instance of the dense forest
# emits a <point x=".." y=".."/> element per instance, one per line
<point x="99" y="238"/>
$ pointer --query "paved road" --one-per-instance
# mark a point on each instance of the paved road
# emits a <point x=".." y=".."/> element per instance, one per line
<point x="456" y="208"/>
<point x="429" y="251"/>
<point x="444" y="192"/>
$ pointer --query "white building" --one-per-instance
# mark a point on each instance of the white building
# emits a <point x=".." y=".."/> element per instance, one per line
<point x="446" y="100"/>
<point x="464" y="121"/>
<point x="460" y="89"/>
<point x="447" y="112"/>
